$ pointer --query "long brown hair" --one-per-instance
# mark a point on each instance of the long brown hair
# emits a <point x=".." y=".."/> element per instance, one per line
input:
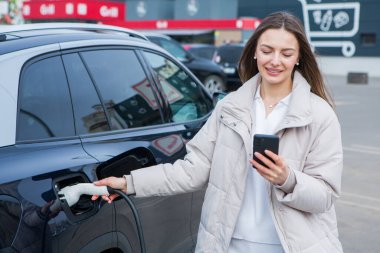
<point x="308" y="66"/>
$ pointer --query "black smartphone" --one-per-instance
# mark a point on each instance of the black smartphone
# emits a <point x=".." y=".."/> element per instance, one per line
<point x="263" y="142"/>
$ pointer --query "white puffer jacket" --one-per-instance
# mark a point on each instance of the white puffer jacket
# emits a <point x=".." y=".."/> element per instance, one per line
<point x="302" y="209"/>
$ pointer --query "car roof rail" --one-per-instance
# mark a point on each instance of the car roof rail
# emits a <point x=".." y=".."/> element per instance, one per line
<point x="73" y="26"/>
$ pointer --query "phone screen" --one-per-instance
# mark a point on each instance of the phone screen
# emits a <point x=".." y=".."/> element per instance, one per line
<point x="262" y="142"/>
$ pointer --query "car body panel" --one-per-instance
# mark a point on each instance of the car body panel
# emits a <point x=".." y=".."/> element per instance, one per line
<point x="35" y="168"/>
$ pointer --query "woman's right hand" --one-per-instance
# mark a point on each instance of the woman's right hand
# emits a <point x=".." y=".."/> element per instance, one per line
<point x="113" y="182"/>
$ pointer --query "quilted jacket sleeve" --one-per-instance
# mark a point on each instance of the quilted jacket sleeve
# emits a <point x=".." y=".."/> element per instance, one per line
<point x="185" y="175"/>
<point x="315" y="188"/>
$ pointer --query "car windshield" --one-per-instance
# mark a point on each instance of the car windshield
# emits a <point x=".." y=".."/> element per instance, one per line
<point x="204" y="52"/>
<point x="175" y="49"/>
<point x="230" y="54"/>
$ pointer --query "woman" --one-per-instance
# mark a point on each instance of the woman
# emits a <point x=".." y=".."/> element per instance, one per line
<point x="287" y="205"/>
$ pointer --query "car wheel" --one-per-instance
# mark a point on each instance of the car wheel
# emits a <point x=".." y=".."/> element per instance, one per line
<point x="214" y="83"/>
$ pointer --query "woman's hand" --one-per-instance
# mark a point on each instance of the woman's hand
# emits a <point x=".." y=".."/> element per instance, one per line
<point x="276" y="173"/>
<point x="114" y="182"/>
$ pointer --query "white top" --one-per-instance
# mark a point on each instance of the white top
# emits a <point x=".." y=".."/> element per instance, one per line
<point x="255" y="225"/>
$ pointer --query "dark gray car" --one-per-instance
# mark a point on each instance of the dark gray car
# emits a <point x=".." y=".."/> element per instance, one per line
<point x="228" y="56"/>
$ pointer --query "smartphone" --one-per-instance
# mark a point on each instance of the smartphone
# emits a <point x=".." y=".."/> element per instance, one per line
<point x="263" y="142"/>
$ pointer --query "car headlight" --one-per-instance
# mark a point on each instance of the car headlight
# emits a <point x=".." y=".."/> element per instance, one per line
<point x="229" y="70"/>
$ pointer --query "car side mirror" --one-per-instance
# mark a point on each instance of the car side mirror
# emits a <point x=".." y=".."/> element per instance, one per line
<point x="217" y="96"/>
<point x="189" y="57"/>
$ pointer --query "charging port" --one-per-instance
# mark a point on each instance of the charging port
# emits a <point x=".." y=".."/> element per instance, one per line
<point x="85" y="207"/>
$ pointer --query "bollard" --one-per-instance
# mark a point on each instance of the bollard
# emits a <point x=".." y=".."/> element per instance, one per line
<point x="357" y="78"/>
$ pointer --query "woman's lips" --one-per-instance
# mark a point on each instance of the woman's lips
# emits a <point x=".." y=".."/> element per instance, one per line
<point x="273" y="72"/>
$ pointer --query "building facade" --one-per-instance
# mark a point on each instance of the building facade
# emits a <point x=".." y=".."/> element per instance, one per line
<point x="334" y="27"/>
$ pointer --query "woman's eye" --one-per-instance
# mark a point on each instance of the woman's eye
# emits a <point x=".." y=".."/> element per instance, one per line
<point x="287" y="55"/>
<point x="266" y="52"/>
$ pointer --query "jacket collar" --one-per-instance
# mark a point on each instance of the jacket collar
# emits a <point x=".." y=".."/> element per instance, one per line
<point x="240" y="103"/>
<point x="299" y="112"/>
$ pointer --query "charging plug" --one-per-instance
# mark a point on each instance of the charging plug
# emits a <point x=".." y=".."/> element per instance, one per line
<point x="72" y="193"/>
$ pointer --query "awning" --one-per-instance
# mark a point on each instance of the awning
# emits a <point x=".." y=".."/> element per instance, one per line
<point x="186" y="25"/>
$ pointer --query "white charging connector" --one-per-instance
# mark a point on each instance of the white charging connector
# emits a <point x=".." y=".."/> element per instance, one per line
<point x="72" y="193"/>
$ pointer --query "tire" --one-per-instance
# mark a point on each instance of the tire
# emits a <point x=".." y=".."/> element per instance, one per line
<point x="214" y="83"/>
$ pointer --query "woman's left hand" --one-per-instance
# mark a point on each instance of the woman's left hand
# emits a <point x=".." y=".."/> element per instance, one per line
<point x="276" y="173"/>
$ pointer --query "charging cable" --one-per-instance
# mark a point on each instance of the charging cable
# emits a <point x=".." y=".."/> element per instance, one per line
<point x="71" y="195"/>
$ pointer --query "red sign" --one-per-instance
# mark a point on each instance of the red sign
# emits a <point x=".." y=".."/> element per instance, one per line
<point x="146" y="92"/>
<point x="205" y="24"/>
<point x="64" y="9"/>
<point x="168" y="145"/>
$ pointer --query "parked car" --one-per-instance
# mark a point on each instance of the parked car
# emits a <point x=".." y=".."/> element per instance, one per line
<point x="81" y="102"/>
<point x="228" y="56"/>
<point x="209" y="73"/>
<point x="201" y="50"/>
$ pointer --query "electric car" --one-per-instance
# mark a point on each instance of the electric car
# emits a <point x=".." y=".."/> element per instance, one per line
<point x="81" y="102"/>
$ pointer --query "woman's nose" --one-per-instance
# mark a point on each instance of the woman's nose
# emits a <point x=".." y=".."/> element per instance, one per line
<point x="275" y="59"/>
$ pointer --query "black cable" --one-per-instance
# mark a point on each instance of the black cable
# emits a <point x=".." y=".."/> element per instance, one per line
<point x="135" y="215"/>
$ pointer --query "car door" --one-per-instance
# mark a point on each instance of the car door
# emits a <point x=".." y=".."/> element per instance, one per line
<point x="121" y="125"/>
<point x="47" y="156"/>
<point x="189" y="106"/>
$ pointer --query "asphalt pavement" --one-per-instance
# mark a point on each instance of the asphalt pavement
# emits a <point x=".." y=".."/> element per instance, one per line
<point x="358" y="209"/>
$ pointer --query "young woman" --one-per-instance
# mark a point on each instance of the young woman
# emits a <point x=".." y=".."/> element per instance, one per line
<point x="287" y="205"/>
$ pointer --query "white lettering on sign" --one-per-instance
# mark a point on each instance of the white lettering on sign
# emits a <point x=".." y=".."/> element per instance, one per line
<point x="47" y="9"/>
<point x="162" y="24"/>
<point x="26" y="10"/>
<point x="82" y="9"/>
<point x="69" y="8"/>
<point x="257" y="23"/>
<point x="239" y="23"/>
<point x="112" y="12"/>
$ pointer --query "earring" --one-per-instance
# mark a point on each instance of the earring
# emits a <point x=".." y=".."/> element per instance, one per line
<point x="254" y="57"/>
<point x="297" y="63"/>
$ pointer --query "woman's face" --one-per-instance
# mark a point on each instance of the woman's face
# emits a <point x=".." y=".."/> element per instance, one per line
<point x="277" y="53"/>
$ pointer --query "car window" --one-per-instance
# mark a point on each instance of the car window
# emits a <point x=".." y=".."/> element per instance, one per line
<point x="186" y="99"/>
<point x="88" y="110"/>
<point x="45" y="109"/>
<point x="230" y="54"/>
<point x="124" y="88"/>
